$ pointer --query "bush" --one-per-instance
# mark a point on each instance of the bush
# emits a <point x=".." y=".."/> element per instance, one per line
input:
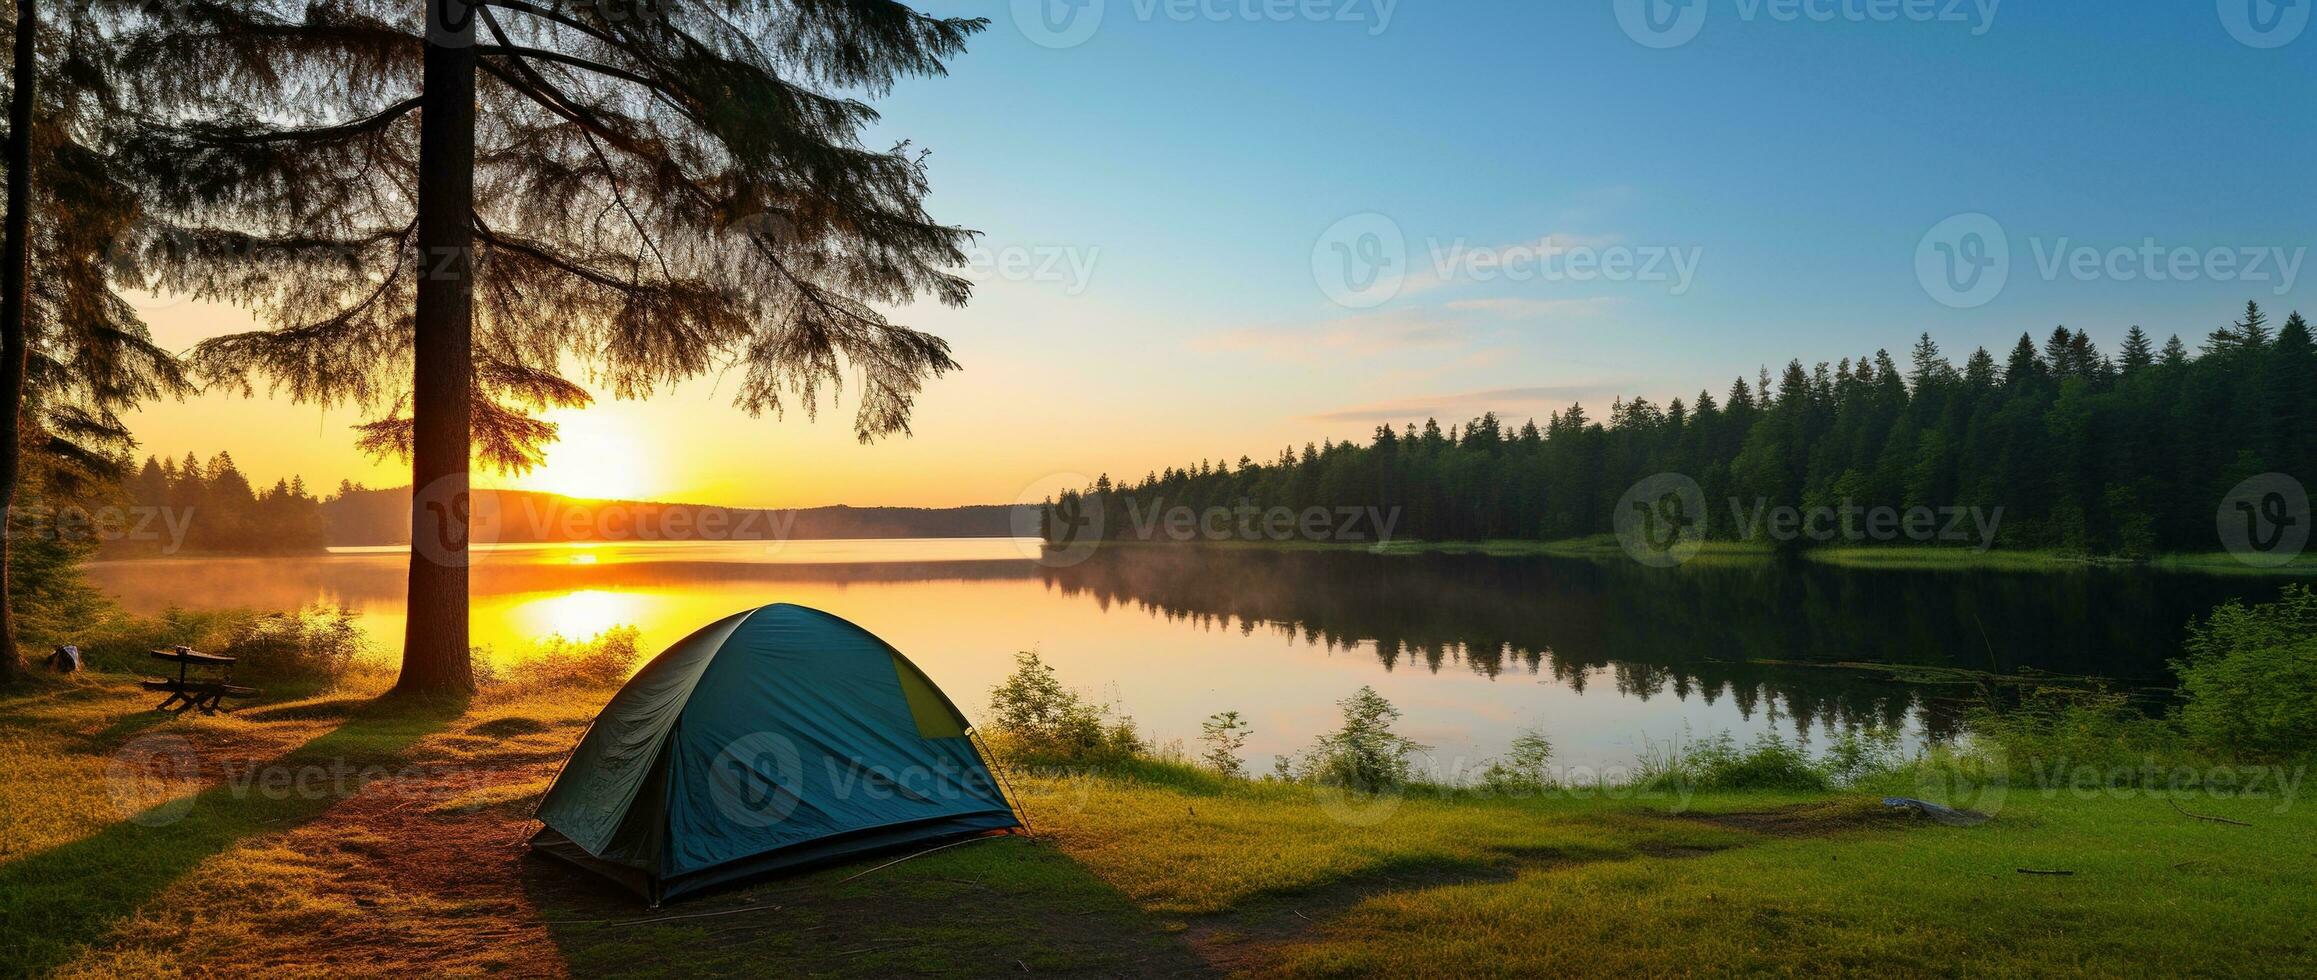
<point x="1225" y="734"/>
<point x="606" y="659"/>
<point x="317" y="643"/>
<point x="53" y="600"/>
<point x="1365" y="754"/>
<point x="1035" y="719"/>
<point x="1719" y="764"/>
<point x="2077" y="737"/>
<point x="2249" y="681"/>
<point x="1526" y="769"/>
<point x="1858" y="757"/>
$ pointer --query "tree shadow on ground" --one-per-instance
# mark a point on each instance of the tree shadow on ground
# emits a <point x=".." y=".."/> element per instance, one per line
<point x="998" y="906"/>
<point x="180" y="808"/>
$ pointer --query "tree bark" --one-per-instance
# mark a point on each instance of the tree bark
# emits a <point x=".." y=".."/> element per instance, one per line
<point x="434" y="652"/>
<point x="15" y="270"/>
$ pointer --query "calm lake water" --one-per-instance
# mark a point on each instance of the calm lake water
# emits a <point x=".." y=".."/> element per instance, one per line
<point x="1600" y="656"/>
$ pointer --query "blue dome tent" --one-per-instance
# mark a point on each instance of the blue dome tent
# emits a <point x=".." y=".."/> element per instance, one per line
<point x="773" y="738"/>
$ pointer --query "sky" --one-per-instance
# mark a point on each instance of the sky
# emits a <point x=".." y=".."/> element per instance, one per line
<point x="1214" y="228"/>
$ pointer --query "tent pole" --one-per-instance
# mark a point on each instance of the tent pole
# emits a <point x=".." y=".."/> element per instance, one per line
<point x="1013" y="799"/>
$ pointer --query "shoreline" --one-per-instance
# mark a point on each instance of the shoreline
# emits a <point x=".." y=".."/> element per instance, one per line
<point x="1864" y="557"/>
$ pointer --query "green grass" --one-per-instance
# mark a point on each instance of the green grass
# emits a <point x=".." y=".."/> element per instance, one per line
<point x="1599" y="547"/>
<point x="1154" y="870"/>
<point x="2223" y="563"/>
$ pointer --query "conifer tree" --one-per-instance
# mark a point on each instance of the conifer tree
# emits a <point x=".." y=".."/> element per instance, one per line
<point x="2138" y="352"/>
<point x="439" y="214"/>
<point x="2080" y="462"/>
<point x="73" y="352"/>
<point x="15" y="273"/>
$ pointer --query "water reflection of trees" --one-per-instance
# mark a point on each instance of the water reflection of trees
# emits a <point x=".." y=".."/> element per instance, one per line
<point x="1700" y="631"/>
<point x="364" y="580"/>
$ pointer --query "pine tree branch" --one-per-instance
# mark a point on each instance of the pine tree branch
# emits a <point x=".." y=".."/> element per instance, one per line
<point x="542" y="54"/>
<point x="547" y="257"/>
<point x="556" y="101"/>
<point x="381" y="120"/>
<point x="611" y="174"/>
<point x="518" y="6"/>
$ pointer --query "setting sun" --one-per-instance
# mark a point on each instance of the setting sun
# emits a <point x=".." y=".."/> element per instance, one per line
<point x="596" y="454"/>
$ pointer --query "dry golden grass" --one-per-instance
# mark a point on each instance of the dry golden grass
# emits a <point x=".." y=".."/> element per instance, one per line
<point x="1151" y="870"/>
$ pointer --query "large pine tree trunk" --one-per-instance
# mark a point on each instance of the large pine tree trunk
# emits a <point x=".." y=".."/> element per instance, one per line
<point x="15" y="269"/>
<point x="434" y="651"/>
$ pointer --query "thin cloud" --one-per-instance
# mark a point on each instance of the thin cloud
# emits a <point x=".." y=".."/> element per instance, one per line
<point x="1452" y="263"/>
<point x="1368" y="333"/>
<point x="1450" y="326"/>
<point x="1509" y="403"/>
<point x="1517" y="308"/>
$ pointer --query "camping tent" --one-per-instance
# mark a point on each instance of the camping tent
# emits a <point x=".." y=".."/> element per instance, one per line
<point x="772" y="738"/>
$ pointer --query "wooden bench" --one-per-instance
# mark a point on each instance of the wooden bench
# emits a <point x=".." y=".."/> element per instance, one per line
<point x="186" y="693"/>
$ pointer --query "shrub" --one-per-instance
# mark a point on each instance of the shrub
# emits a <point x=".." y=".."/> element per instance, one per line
<point x="1035" y="718"/>
<point x="606" y="659"/>
<point x="2058" y="738"/>
<point x="1365" y="754"/>
<point x="316" y="643"/>
<point x="1225" y="734"/>
<point x="2249" y="681"/>
<point x="1719" y="764"/>
<point x="1862" y="756"/>
<point x="120" y="643"/>
<point x="1525" y="769"/>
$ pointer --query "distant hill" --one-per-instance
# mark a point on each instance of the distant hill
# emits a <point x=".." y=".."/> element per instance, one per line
<point x="382" y="517"/>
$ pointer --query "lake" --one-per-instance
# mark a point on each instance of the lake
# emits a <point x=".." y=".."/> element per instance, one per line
<point x="1599" y="656"/>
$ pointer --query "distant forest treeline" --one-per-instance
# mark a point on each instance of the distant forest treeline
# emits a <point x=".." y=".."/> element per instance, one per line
<point x="2126" y="454"/>
<point x="219" y="511"/>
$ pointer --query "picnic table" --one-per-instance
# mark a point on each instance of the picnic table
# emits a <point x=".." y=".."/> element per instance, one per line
<point x="186" y="692"/>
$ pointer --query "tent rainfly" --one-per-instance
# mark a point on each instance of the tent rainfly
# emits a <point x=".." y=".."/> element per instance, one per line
<point x="773" y="738"/>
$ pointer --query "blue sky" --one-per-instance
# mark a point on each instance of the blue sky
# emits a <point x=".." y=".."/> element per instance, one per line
<point x="1804" y="160"/>
<point x="1159" y="191"/>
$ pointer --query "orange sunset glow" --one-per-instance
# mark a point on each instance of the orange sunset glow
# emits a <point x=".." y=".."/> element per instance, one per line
<point x="1157" y="488"/>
